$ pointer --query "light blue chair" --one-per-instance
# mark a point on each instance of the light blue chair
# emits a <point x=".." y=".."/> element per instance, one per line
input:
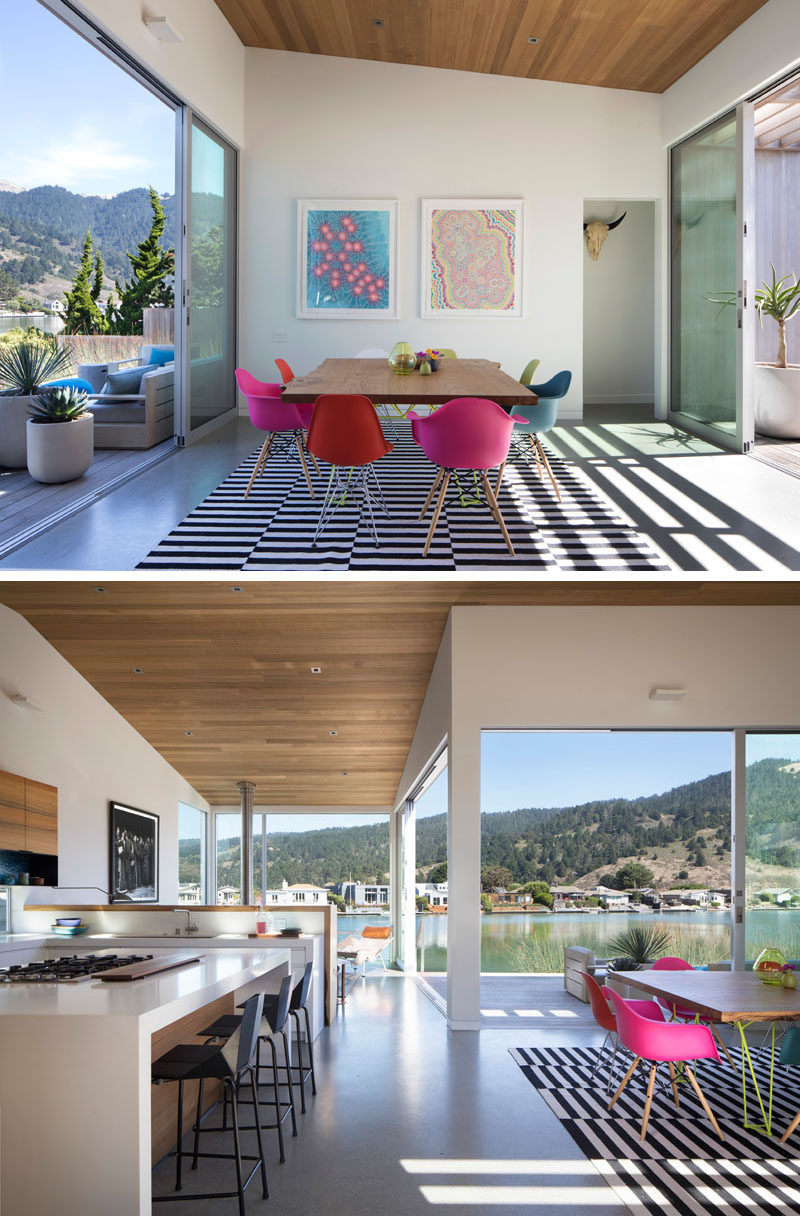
<point x="542" y="417"/>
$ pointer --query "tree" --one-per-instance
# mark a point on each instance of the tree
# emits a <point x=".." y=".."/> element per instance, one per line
<point x="634" y="874"/>
<point x="486" y="903"/>
<point x="495" y="876"/>
<point x="150" y="266"/>
<point x="8" y="285"/>
<point x="423" y="904"/>
<point x="337" y="901"/>
<point x="540" y="892"/>
<point x="438" y="873"/>
<point x="682" y="874"/>
<point x="82" y="315"/>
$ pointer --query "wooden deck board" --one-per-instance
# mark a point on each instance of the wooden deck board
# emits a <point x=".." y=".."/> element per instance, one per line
<point x="783" y="454"/>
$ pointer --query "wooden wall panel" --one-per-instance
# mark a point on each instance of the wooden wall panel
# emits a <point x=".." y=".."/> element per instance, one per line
<point x="41" y="818"/>
<point x="620" y="44"/>
<point x="12" y="811"/>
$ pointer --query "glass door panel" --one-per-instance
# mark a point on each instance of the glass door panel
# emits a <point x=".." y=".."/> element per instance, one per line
<point x="772" y="862"/>
<point x="704" y="344"/>
<point x="228" y="857"/>
<point x="210" y="293"/>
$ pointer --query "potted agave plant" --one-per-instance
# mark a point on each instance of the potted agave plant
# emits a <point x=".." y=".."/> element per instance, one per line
<point x="777" y="385"/>
<point x="24" y="368"/>
<point x="637" y="948"/>
<point x="60" y="435"/>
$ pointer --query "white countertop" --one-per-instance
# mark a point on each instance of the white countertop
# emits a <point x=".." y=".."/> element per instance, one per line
<point x="155" y="1001"/>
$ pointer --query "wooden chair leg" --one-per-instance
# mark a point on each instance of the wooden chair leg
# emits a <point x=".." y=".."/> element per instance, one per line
<point x="624" y="1081"/>
<point x="299" y="443"/>
<point x="311" y="454"/>
<point x="536" y="455"/>
<point x="648" y="1102"/>
<point x="790" y="1128"/>
<point x="703" y="1103"/>
<point x="263" y="456"/>
<point x="718" y="1036"/>
<point x="436" y="514"/>
<point x="674" y="1083"/>
<point x="429" y="499"/>
<point x="500" y="473"/>
<point x="549" y="470"/>
<point x="492" y="501"/>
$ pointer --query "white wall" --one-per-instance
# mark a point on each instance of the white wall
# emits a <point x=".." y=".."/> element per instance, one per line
<point x="206" y="69"/>
<point x="761" y="49"/>
<point x="619" y="300"/>
<point x="317" y="126"/>
<point x="76" y="741"/>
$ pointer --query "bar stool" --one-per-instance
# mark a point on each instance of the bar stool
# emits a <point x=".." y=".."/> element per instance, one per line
<point x="231" y="1063"/>
<point x="298" y="1003"/>
<point x="275" y="1013"/>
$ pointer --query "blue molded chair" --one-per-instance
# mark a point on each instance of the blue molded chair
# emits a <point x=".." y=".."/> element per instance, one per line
<point x="541" y="417"/>
<point x="790" y="1054"/>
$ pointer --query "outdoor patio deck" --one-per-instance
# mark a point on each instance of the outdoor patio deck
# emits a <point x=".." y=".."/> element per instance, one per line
<point x="509" y="1002"/>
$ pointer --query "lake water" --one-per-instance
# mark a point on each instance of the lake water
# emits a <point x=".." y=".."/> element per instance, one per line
<point x="529" y="942"/>
<point x="48" y="325"/>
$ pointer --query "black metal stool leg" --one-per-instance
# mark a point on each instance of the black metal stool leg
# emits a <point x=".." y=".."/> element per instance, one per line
<point x="180" y="1138"/>
<point x="300" y="1070"/>
<point x="197" y="1123"/>
<point x="225" y="1109"/>
<point x="310" y="1051"/>
<point x="257" y="1111"/>
<point x="237" y="1148"/>
<point x="275" y="1086"/>
<point x="289" y="1081"/>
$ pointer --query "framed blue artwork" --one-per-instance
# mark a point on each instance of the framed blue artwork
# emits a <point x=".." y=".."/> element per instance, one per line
<point x="347" y="258"/>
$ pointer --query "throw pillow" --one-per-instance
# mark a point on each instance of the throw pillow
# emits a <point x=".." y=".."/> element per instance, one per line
<point x="125" y="383"/>
<point x="160" y="355"/>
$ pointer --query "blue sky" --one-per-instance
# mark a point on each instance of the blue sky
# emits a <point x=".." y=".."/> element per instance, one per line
<point x="74" y="118"/>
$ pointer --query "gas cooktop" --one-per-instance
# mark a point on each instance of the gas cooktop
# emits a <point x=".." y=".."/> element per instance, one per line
<point x="69" y="969"/>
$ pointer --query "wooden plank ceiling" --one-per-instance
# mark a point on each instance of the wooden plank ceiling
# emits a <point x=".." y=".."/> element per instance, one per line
<point x="234" y="668"/>
<point x="619" y="44"/>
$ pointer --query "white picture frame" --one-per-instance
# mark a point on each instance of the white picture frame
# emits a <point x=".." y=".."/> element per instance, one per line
<point x="365" y="248"/>
<point x="484" y="234"/>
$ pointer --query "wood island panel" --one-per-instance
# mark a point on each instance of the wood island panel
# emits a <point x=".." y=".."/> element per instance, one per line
<point x="12" y="811"/>
<point x="375" y="379"/>
<point x="164" y="1098"/>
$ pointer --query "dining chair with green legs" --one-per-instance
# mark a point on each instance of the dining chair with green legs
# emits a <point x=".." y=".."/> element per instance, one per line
<point x="530" y="371"/>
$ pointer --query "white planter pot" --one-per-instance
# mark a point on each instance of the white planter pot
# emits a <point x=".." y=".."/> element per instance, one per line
<point x="13" y="423"/>
<point x="60" y="451"/>
<point x="776" y="403"/>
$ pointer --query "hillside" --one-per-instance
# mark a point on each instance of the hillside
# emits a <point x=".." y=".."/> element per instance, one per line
<point x="42" y="232"/>
<point x="683" y="830"/>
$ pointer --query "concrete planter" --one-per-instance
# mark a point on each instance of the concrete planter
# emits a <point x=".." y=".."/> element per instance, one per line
<point x="60" y="451"/>
<point x="13" y="422"/>
<point x="776" y="401"/>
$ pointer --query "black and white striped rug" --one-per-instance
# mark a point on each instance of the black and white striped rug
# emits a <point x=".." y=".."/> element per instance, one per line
<point x="682" y="1168"/>
<point x="273" y="528"/>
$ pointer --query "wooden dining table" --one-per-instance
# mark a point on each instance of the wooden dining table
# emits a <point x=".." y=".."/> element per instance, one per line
<point x="738" y="998"/>
<point x="374" y="378"/>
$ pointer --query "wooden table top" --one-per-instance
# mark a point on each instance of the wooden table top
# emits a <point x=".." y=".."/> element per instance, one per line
<point x="375" y="379"/>
<point x="720" y="996"/>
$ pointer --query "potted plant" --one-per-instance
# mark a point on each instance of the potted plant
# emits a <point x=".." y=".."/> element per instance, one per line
<point x="24" y="368"/>
<point x="637" y="948"/>
<point x="777" y="385"/>
<point x="60" y="435"/>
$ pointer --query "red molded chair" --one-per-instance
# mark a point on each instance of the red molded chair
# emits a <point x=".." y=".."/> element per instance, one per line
<point x="346" y="433"/>
<point x="286" y="373"/>
<point x="683" y="1013"/>
<point x="606" y="1019"/>
<point x="268" y="412"/>
<point x="466" y="433"/>
<point x="661" y="1042"/>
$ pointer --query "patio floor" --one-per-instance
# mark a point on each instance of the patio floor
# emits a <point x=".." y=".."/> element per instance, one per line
<point x="521" y="1001"/>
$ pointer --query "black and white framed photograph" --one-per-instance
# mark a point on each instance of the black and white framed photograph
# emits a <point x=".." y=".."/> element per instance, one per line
<point x="133" y="876"/>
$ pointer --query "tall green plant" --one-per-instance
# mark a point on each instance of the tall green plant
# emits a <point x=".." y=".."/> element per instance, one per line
<point x="31" y="363"/>
<point x="642" y="943"/>
<point x="150" y="266"/>
<point x="781" y="303"/>
<point x="82" y="314"/>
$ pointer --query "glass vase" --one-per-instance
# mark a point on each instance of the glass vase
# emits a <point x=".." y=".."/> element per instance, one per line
<point x="402" y="360"/>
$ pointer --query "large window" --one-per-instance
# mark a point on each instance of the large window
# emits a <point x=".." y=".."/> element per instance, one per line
<point x="228" y="857"/>
<point x="772" y="866"/>
<point x="192" y="855"/>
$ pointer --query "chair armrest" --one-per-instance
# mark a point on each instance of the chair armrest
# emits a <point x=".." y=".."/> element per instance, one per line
<point x="115" y="397"/>
<point x="416" y="417"/>
<point x="519" y="418"/>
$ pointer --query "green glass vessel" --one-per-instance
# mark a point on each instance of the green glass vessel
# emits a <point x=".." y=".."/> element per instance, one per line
<point x="769" y="964"/>
<point x="402" y="360"/>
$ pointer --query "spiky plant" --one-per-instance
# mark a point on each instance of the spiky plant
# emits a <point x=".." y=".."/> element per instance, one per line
<point x="624" y="964"/>
<point x="61" y="404"/>
<point x="781" y="303"/>
<point x="29" y="364"/>
<point x="641" y="943"/>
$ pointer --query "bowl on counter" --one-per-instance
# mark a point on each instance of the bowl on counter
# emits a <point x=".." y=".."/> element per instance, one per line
<point x="70" y="930"/>
<point x="68" y="920"/>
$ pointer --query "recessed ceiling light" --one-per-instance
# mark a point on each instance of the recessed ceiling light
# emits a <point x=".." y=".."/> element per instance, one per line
<point x="316" y="671"/>
<point x="102" y="589"/>
<point x="345" y="773"/>
<point x="333" y="732"/>
<point x="188" y="733"/>
<point x="138" y="671"/>
<point x="533" y="41"/>
<point x="378" y="21"/>
<point x="237" y="588"/>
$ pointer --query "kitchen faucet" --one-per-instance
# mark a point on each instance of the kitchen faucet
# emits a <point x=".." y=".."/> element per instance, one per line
<point x="190" y="928"/>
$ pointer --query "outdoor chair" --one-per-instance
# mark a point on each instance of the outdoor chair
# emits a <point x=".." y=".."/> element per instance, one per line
<point x="367" y="947"/>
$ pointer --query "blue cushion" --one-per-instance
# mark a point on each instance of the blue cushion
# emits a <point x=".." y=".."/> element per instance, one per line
<point x="160" y="355"/>
<point x="70" y="382"/>
<point x="127" y="382"/>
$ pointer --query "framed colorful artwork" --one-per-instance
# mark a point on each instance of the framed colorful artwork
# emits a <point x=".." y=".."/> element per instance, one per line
<point x="472" y="257"/>
<point x="347" y="258"/>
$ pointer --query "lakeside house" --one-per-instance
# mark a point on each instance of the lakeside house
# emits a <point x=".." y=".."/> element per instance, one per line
<point x="686" y="898"/>
<point x="296" y="893"/>
<point x="434" y="892"/>
<point x="362" y="894"/>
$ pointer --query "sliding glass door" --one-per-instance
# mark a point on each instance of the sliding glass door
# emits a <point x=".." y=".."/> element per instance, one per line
<point x="207" y="338"/>
<point x="711" y="314"/>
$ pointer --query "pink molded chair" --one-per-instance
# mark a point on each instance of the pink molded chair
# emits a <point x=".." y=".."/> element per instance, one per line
<point x="270" y="413"/>
<point x="683" y="1013"/>
<point x="658" y="1043"/>
<point x="606" y="1019"/>
<point x="466" y="433"/>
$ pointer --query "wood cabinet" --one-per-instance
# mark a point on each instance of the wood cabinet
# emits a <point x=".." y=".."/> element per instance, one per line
<point x="28" y="815"/>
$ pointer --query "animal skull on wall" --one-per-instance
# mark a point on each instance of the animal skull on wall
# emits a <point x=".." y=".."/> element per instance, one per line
<point x="596" y="233"/>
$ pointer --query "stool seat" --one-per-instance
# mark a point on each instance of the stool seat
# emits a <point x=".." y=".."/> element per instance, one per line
<point x="189" y="1062"/>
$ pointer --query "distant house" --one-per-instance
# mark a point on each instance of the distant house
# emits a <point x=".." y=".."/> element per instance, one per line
<point x="189" y="893"/>
<point x="54" y="305"/>
<point x="229" y="895"/>
<point x="363" y="894"/>
<point x="615" y="901"/>
<point x="434" y="892"/>
<point x="781" y="895"/>
<point x="692" y="899"/>
<point x="297" y="893"/>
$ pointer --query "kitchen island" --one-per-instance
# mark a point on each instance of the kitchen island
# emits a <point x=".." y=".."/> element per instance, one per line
<point x="75" y="1092"/>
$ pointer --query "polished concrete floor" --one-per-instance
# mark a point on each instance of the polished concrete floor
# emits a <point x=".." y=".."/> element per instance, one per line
<point x="412" y="1117"/>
